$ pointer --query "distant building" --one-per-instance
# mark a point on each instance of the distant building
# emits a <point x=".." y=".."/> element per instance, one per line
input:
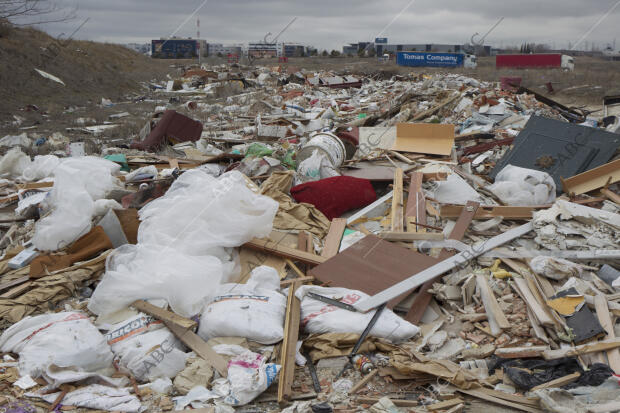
<point x="177" y="48"/>
<point x="383" y="47"/>
<point x="261" y="50"/>
<point x="216" y="49"/>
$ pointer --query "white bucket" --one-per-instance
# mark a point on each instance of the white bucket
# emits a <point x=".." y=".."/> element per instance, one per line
<point x="326" y="143"/>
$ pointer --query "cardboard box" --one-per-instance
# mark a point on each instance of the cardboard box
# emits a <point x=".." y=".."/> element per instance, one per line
<point x="430" y="138"/>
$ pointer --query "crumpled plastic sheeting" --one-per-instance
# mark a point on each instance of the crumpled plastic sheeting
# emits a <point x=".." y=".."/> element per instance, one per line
<point x="521" y="186"/>
<point x="181" y="253"/>
<point x="455" y="190"/>
<point x="14" y="163"/>
<point x="78" y="183"/>
<point x="291" y="215"/>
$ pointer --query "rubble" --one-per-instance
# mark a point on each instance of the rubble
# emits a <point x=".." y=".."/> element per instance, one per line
<point x="314" y="242"/>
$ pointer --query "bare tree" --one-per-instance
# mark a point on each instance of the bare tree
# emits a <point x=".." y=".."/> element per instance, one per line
<point x="22" y="12"/>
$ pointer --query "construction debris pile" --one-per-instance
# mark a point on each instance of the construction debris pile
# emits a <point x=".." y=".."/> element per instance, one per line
<point x="278" y="240"/>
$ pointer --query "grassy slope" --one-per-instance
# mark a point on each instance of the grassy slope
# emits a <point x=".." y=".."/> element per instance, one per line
<point x="90" y="71"/>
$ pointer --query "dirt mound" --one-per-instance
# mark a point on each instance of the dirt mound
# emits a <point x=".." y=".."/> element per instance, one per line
<point x="90" y="71"/>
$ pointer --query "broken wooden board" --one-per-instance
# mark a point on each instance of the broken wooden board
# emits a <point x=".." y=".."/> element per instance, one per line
<point x="411" y="236"/>
<point x="421" y="277"/>
<point x="487" y="212"/>
<point x="370" y="265"/>
<point x="372" y="172"/>
<point x="333" y="238"/>
<point x="520" y="352"/>
<point x="416" y="204"/>
<point x="495" y="315"/>
<point x="596" y="178"/>
<point x="289" y="344"/>
<point x="614" y="197"/>
<point x="200" y="347"/>
<point x="582" y="349"/>
<point x="272" y="247"/>
<point x="163" y="315"/>
<point x="423" y="298"/>
<point x="397" y="202"/>
<point x="559" y="382"/>
<point x="602" y="312"/>
<point x="494" y="399"/>
<point x="539" y="309"/>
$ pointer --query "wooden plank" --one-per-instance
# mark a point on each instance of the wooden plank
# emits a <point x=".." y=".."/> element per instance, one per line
<point x="416" y="204"/>
<point x="598" y="177"/>
<point x="35" y="185"/>
<point x="363" y="382"/>
<point x="582" y="349"/>
<point x="559" y="382"/>
<point x="333" y="238"/>
<point x="419" y="278"/>
<point x="482" y="395"/>
<point x="274" y="248"/>
<point x="411" y="236"/>
<point x="164" y="315"/>
<point x="496" y="317"/>
<point x="397" y="402"/>
<point x="446" y="404"/>
<point x="286" y="283"/>
<point x="304" y="242"/>
<point x="520" y="352"/>
<point x="423" y="298"/>
<point x="397" y="202"/>
<point x="200" y="347"/>
<point x="602" y="312"/>
<point x="289" y="344"/>
<point x="614" y="197"/>
<point x="536" y="307"/>
<point x="371" y="265"/>
<point x="487" y="212"/>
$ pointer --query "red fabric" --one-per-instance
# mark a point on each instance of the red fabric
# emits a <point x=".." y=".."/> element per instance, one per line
<point x="337" y="195"/>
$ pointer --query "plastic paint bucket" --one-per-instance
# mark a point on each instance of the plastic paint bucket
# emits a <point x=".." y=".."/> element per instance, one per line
<point x="325" y="143"/>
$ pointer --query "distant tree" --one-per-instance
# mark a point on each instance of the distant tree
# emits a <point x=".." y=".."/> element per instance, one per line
<point x="314" y="52"/>
<point x="34" y="11"/>
<point x="371" y="52"/>
<point x="361" y="53"/>
<point x="219" y="54"/>
<point x="334" y="53"/>
<point x="324" y="54"/>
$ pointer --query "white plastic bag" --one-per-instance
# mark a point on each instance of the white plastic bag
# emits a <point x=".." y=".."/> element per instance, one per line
<point x="184" y="240"/>
<point x="143" y="346"/>
<point x="66" y="339"/>
<point x="521" y="186"/>
<point x="316" y="167"/>
<point x="78" y="183"/>
<point x="42" y="166"/>
<point x="255" y="310"/>
<point x="14" y="163"/>
<point x="318" y="317"/>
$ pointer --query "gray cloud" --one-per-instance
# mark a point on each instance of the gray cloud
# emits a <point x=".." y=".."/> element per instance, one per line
<point x="330" y="24"/>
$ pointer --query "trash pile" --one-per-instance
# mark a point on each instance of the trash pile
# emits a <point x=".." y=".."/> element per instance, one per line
<point x="280" y="240"/>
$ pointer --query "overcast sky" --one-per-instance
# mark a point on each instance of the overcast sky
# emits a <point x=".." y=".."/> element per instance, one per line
<point x="328" y="24"/>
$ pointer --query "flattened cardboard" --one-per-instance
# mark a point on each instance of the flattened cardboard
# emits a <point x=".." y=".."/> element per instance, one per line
<point x="430" y="138"/>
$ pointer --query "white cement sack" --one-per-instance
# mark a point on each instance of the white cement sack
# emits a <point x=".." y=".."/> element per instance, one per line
<point x="318" y="317"/>
<point x="521" y="186"/>
<point x="254" y="310"/>
<point x="143" y="346"/>
<point x="249" y="375"/>
<point x="555" y="268"/>
<point x="96" y="396"/>
<point x="66" y="339"/>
